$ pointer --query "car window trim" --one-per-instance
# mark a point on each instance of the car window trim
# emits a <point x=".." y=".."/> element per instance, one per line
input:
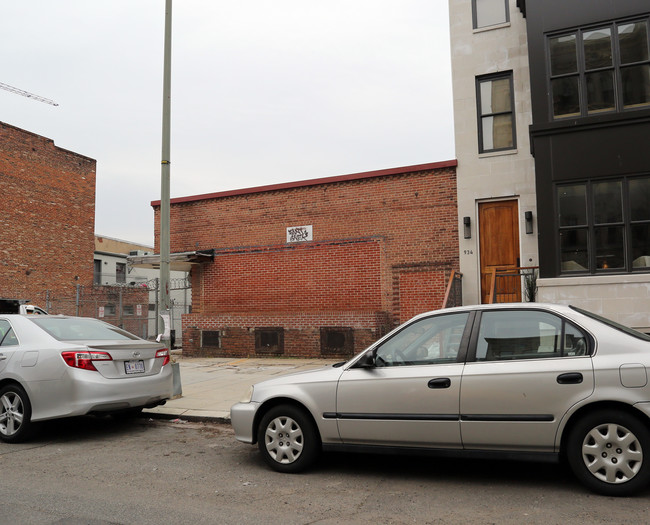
<point x="361" y="362"/>
<point x="463" y="350"/>
<point x="473" y="343"/>
<point x="11" y="329"/>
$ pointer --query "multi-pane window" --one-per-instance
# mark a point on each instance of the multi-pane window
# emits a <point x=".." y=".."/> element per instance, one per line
<point x="600" y="69"/>
<point x="604" y="225"/>
<point x="496" y="117"/>
<point x="488" y="13"/>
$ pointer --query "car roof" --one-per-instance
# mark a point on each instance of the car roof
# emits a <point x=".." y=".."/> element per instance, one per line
<point x="560" y="308"/>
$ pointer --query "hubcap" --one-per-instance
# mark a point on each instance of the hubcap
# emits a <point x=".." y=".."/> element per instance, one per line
<point x="612" y="453"/>
<point x="284" y="440"/>
<point x="11" y="416"/>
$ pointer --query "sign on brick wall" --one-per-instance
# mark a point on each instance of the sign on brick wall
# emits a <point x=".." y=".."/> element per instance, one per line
<point x="300" y="233"/>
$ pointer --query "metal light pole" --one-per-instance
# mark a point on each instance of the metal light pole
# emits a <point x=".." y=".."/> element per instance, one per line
<point x="164" y="301"/>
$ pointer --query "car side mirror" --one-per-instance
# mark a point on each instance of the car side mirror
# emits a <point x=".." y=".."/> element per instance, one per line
<point x="367" y="361"/>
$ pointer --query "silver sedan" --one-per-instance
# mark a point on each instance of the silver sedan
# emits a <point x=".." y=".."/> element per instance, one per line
<point x="531" y="381"/>
<point x="56" y="366"/>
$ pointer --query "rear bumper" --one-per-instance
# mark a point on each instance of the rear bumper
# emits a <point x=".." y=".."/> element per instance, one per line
<point x="82" y="392"/>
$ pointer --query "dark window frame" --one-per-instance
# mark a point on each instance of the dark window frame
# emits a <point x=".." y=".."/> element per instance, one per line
<point x="617" y="67"/>
<point x="591" y="226"/>
<point x="348" y="340"/>
<point x="97" y="271"/>
<point x="262" y="337"/>
<point x="120" y="272"/>
<point x="110" y="310"/>
<point x="475" y="25"/>
<point x="509" y="75"/>
<point x="212" y="335"/>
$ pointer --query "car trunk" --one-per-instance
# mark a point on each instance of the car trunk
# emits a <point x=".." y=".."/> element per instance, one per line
<point x="128" y="359"/>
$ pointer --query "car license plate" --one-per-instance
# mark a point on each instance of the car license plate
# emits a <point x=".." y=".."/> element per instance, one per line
<point x="134" y="367"/>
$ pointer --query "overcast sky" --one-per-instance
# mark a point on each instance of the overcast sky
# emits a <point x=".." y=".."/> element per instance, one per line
<point x="263" y="91"/>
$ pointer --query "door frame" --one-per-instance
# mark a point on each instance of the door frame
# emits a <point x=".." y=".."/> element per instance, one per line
<point x="511" y="198"/>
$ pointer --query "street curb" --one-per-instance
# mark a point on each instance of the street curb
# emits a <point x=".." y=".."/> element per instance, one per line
<point x="189" y="417"/>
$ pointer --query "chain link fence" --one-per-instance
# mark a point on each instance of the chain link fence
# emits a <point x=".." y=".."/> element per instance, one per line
<point x="133" y="307"/>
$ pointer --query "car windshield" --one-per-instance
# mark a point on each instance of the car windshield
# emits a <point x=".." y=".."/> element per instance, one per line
<point x="81" y="329"/>
<point x="613" y="324"/>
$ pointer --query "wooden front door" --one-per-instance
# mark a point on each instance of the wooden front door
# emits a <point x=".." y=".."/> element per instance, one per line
<point x="499" y="245"/>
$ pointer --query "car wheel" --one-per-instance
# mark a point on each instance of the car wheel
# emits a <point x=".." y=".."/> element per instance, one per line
<point x="609" y="452"/>
<point x="288" y="439"/>
<point x="15" y="414"/>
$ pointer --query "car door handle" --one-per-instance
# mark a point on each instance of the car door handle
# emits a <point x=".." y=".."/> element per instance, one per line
<point x="570" y="378"/>
<point x="2" y="357"/>
<point x="440" y="382"/>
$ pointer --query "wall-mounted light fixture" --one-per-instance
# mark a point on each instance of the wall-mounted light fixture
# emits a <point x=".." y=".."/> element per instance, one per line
<point x="529" y="221"/>
<point x="467" y="227"/>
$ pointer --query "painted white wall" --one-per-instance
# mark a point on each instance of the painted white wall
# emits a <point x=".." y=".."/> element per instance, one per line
<point x="181" y="299"/>
<point x="491" y="176"/>
<point x="622" y="298"/>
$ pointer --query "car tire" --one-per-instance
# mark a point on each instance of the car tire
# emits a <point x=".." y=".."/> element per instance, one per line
<point x="288" y="439"/>
<point x="609" y="452"/>
<point x="15" y="414"/>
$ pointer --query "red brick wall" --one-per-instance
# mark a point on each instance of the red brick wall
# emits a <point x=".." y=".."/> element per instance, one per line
<point x="419" y="290"/>
<point x="383" y="247"/>
<point x="343" y="275"/>
<point x="48" y="216"/>
<point x="302" y="331"/>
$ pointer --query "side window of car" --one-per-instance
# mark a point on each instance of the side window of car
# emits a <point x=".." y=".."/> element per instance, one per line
<point x="510" y="334"/>
<point x="575" y="342"/>
<point x="7" y="335"/>
<point x="431" y="340"/>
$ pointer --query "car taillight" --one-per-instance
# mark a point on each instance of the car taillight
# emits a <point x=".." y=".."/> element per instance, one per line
<point x="84" y="360"/>
<point x="164" y="354"/>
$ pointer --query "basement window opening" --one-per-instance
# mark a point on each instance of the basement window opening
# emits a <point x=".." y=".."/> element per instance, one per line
<point x="336" y="340"/>
<point x="269" y="340"/>
<point x="210" y="339"/>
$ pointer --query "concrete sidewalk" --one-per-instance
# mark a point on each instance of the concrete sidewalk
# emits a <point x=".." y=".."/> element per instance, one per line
<point x="212" y="385"/>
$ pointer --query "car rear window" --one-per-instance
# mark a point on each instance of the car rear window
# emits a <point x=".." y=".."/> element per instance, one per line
<point x="80" y="329"/>
<point x="613" y="324"/>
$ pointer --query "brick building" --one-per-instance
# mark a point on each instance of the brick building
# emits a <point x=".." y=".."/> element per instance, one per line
<point x="47" y="238"/>
<point x="47" y="220"/>
<point x="319" y="267"/>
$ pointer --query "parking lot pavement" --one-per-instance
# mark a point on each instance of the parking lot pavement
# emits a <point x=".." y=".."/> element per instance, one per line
<point x="210" y="386"/>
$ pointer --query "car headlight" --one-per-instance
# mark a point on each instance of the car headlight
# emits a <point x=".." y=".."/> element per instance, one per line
<point x="249" y="395"/>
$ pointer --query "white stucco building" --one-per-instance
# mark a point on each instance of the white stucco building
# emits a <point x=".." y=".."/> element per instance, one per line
<point x="112" y="269"/>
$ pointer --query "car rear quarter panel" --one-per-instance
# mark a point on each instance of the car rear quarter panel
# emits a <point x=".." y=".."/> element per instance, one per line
<point x="42" y="373"/>
<point x="621" y="379"/>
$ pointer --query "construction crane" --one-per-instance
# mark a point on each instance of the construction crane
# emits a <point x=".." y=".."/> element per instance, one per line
<point x="26" y="94"/>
